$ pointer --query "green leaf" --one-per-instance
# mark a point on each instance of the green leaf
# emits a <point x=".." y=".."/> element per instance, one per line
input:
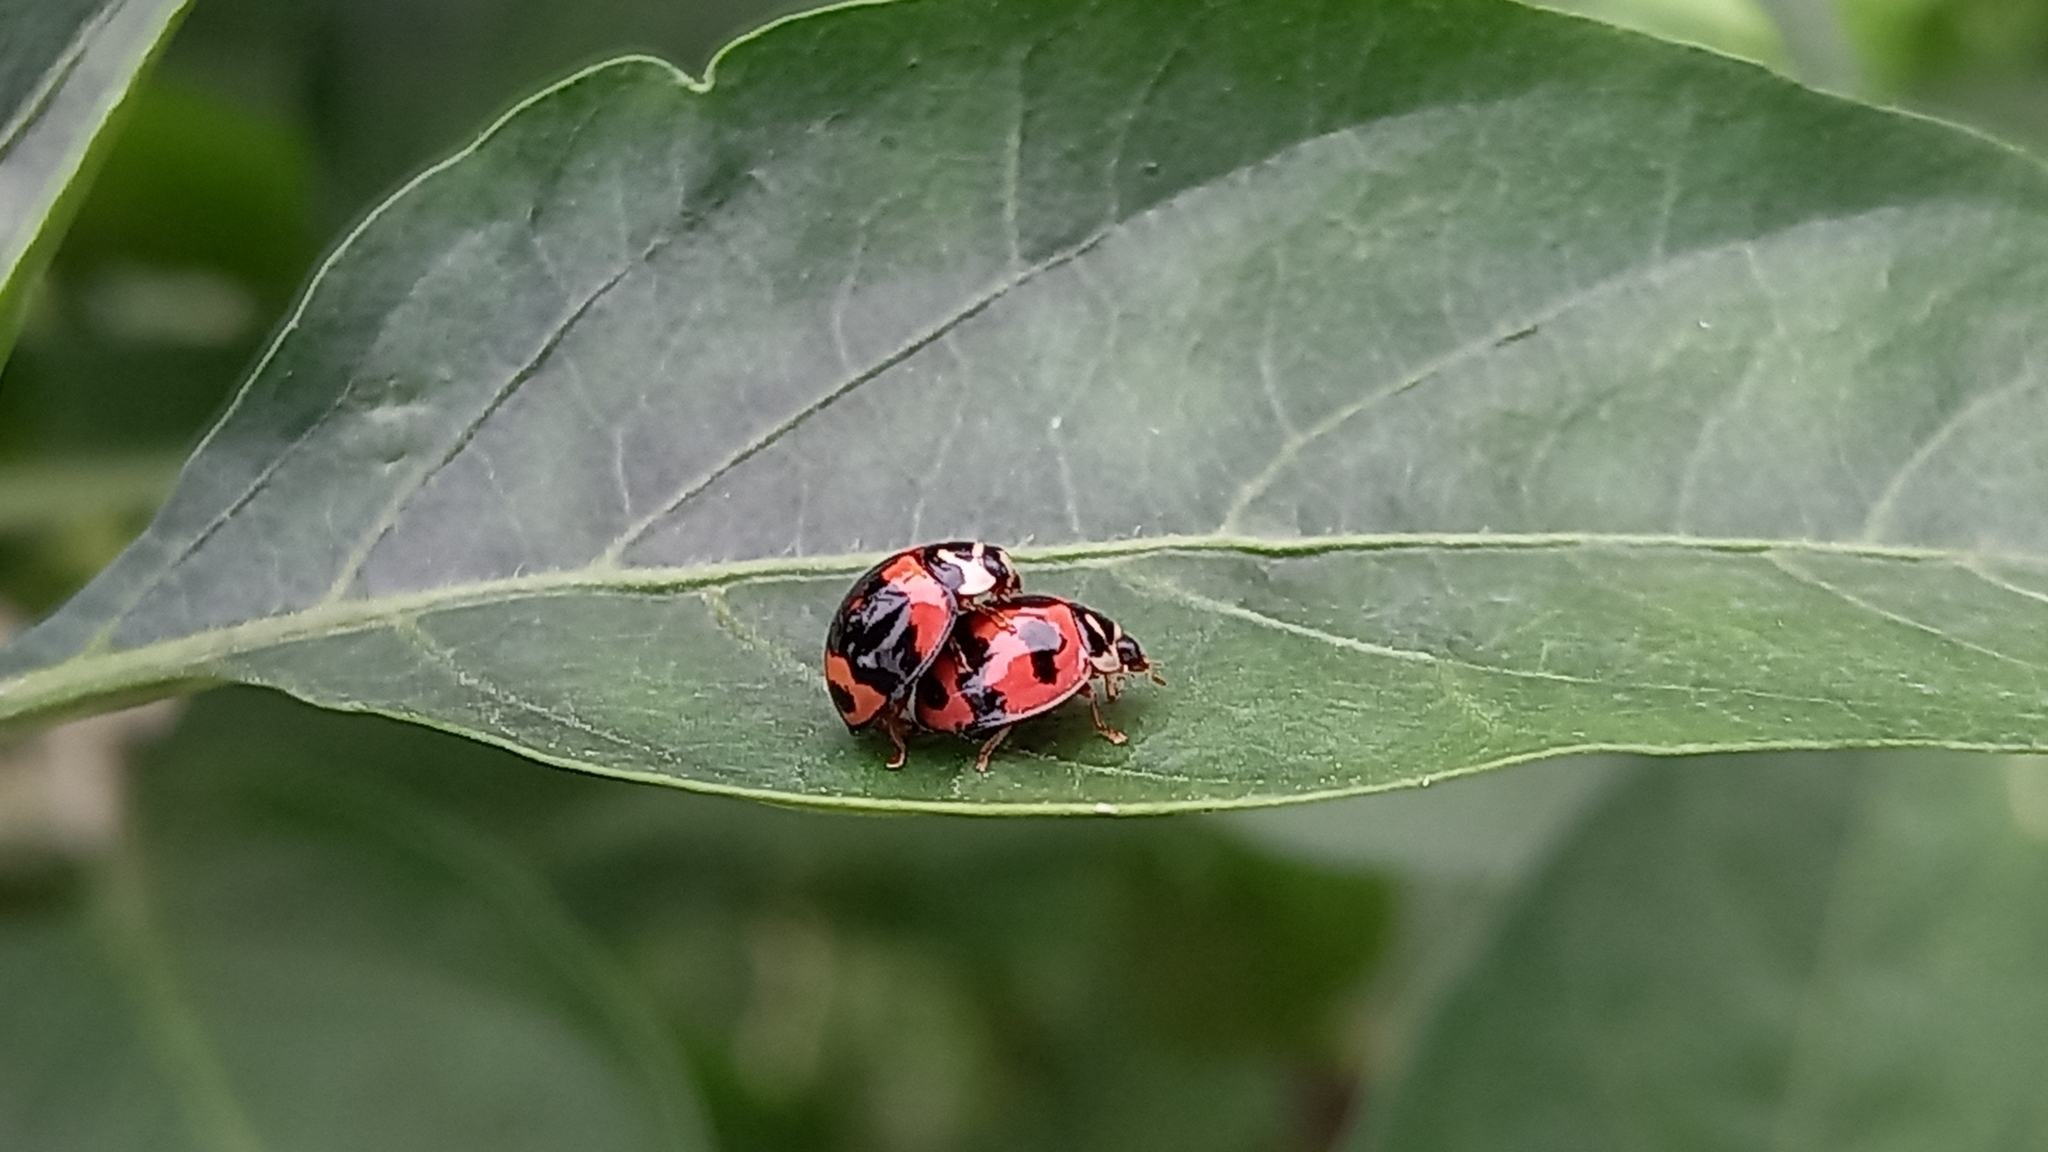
<point x="285" y="952"/>
<point x="1794" y="953"/>
<point x="1430" y="387"/>
<point x="66" y="66"/>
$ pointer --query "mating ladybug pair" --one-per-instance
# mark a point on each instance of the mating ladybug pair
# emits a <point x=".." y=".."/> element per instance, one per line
<point x="940" y="636"/>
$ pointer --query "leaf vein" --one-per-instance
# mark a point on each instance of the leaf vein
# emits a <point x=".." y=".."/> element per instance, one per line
<point x="409" y="630"/>
<point x="917" y="343"/>
<point x="1786" y="566"/>
<point x="1881" y="508"/>
<point x="388" y="518"/>
<point x="722" y="615"/>
<point x="1436" y="367"/>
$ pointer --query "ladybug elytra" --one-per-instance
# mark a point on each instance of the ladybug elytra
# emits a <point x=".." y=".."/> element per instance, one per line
<point x="1010" y="661"/>
<point x="893" y="623"/>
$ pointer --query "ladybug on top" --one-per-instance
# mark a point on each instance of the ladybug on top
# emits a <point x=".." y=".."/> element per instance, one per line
<point x="893" y="622"/>
<point x="940" y="636"/>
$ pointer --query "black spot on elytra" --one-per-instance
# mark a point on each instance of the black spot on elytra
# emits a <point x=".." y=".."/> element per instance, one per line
<point x="875" y="633"/>
<point x="1043" y="641"/>
<point x="930" y="693"/>
<point x="973" y="648"/>
<point x="984" y="701"/>
<point x="841" y="698"/>
<point x="990" y="710"/>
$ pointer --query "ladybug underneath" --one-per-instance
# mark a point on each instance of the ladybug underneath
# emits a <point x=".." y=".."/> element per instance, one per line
<point x="1013" y="660"/>
<point x="893" y="623"/>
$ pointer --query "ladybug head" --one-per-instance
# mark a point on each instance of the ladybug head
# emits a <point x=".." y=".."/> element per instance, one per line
<point x="1131" y="656"/>
<point x="1111" y="651"/>
<point x="973" y="570"/>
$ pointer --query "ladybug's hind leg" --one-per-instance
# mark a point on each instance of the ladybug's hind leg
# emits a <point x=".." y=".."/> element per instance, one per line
<point x="988" y="749"/>
<point x="1095" y="710"/>
<point x="892" y="723"/>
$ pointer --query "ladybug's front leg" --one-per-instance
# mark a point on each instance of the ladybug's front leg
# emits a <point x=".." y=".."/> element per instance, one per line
<point x="892" y="723"/>
<point x="1095" y="710"/>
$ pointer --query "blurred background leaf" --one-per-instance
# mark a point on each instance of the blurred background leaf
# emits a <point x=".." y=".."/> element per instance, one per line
<point x="66" y="69"/>
<point x="1795" y="952"/>
<point x="275" y="954"/>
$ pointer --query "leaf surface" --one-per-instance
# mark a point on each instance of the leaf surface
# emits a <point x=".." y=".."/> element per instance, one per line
<point x="66" y="66"/>
<point x="1429" y="386"/>
<point x="1785" y="952"/>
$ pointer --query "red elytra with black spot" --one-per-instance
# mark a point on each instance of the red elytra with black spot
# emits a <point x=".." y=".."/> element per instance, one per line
<point x="894" y="621"/>
<point x="1010" y="661"/>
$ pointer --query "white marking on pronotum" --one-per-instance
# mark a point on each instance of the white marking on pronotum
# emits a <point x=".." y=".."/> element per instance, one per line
<point x="975" y="578"/>
<point x="1095" y="634"/>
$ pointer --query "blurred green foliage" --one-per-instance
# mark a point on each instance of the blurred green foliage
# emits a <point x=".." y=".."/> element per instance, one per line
<point x="1910" y="47"/>
<point x="198" y="181"/>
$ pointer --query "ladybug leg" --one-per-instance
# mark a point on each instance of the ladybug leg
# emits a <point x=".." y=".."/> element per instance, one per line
<point x="1095" y="710"/>
<point x="892" y="723"/>
<point x="987" y="749"/>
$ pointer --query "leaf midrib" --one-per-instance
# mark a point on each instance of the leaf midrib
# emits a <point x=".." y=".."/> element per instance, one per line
<point x="44" y="692"/>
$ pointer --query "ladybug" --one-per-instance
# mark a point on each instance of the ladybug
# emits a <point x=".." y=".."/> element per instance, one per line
<point x="1010" y="661"/>
<point x="895" y="620"/>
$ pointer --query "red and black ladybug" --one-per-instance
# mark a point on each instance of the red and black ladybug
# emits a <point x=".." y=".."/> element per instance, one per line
<point x="895" y="620"/>
<point x="1010" y="661"/>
